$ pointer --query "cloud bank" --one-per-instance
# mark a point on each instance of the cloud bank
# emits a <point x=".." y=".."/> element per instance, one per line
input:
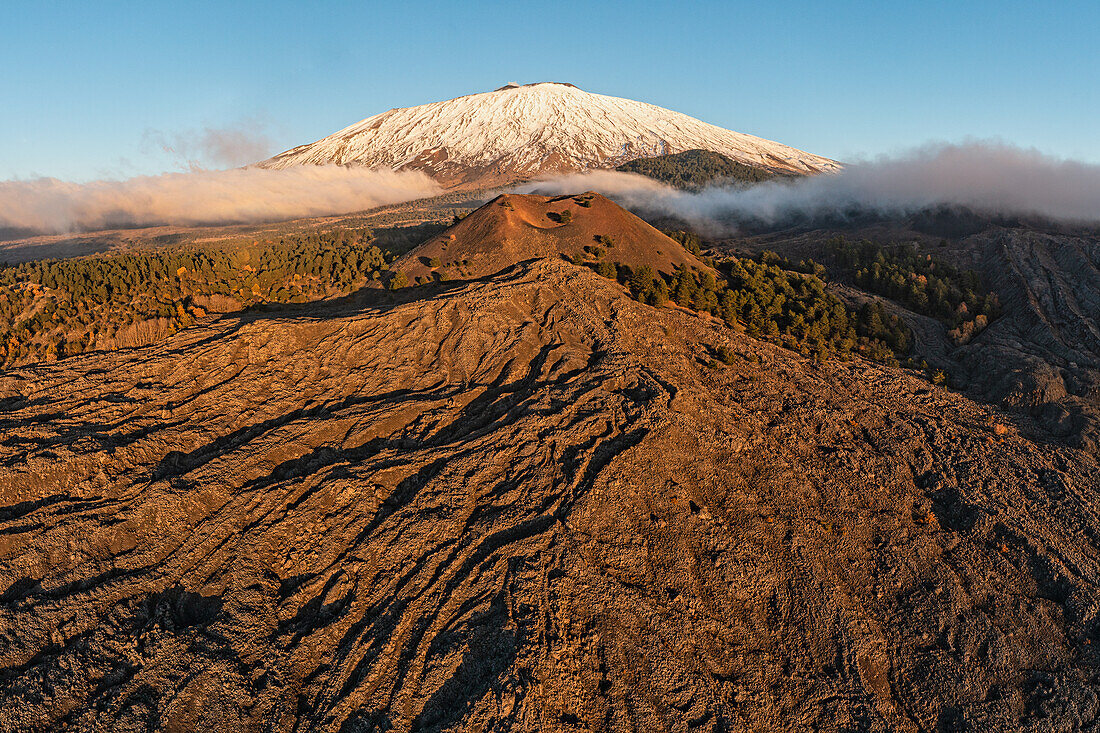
<point x="985" y="177"/>
<point x="989" y="178"/>
<point x="243" y="195"/>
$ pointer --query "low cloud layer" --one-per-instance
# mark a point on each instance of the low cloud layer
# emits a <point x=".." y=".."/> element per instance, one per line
<point x="988" y="178"/>
<point x="243" y="195"/>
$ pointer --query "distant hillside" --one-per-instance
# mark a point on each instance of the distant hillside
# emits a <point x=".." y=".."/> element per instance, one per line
<point x="694" y="169"/>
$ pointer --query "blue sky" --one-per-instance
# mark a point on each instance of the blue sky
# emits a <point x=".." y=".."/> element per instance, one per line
<point x="88" y="89"/>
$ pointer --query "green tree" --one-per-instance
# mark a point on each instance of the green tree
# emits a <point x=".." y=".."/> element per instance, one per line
<point x="607" y="269"/>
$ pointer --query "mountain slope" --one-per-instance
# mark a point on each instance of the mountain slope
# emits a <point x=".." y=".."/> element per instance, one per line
<point x="513" y="228"/>
<point x="1041" y="352"/>
<point x="527" y="503"/>
<point x="520" y="132"/>
<point x="693" y="170"/>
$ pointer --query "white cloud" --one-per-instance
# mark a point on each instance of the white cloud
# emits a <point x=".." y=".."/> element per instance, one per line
<point x="987" y="177"/>
<point x="205" y="197"/>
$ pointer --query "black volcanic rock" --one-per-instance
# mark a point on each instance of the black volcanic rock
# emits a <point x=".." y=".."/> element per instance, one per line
<point x="1044" y="353"/>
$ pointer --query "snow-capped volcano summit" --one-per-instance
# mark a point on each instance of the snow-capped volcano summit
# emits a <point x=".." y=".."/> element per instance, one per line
<point x="519" y="132"/>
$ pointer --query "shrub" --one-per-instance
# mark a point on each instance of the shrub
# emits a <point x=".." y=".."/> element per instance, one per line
<point x="399" y="280"/>
<point x="608" y="270"/>
<point x="658" y="296"/>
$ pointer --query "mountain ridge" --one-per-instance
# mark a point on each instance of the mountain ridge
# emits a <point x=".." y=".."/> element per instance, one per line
<point x="520" y="132"/>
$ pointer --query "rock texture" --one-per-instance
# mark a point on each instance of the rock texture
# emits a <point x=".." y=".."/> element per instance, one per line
<point x="530" y="503"/>
<point x="1045" y="355"/>
<point x="516" y="133"/>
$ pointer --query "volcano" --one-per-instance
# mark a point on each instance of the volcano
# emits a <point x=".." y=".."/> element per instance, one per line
<point x="514" y="228"/>
<point x="518" y="133"/>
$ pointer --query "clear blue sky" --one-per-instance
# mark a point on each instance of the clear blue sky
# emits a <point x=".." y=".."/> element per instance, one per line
<point x="85" y="87"/>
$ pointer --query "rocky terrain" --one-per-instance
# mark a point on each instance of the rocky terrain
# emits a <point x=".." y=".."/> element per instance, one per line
<point x="1042" y="355"/>
<point x="1045" y="358"/>
<point x="519" y="132"/>
<point x="528" y="502"/>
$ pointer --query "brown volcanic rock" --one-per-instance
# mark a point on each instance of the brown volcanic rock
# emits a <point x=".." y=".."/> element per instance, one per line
<point x="514" y="228"/>
<point x="527" y="503"/>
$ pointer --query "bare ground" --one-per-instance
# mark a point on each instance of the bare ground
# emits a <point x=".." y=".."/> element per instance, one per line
<point x="530" y="503"/>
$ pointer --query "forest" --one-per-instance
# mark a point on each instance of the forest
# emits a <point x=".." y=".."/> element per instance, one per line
<point x="55" y="308"/>
<point x="50" y="309"/>
<point x="921" y="282"/>
<point x="792" y="309"/>
<point x="693" y="170"/>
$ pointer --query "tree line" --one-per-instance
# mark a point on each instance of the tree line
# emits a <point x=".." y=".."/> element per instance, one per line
<point x="55" y="308"/>
<point x="693" y="170"/>
<point x="921" y="282"/>
<point x="766" y="301"/>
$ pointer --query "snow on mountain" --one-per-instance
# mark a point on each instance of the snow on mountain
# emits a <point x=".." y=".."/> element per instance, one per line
<point x="519" y="132"/>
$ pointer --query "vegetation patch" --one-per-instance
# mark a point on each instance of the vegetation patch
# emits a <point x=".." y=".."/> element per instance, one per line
<point x="921" y="282"/>
<point x="762" y="299"/>
<point x="55" y="308"/>
<point x="693" y="170"/>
